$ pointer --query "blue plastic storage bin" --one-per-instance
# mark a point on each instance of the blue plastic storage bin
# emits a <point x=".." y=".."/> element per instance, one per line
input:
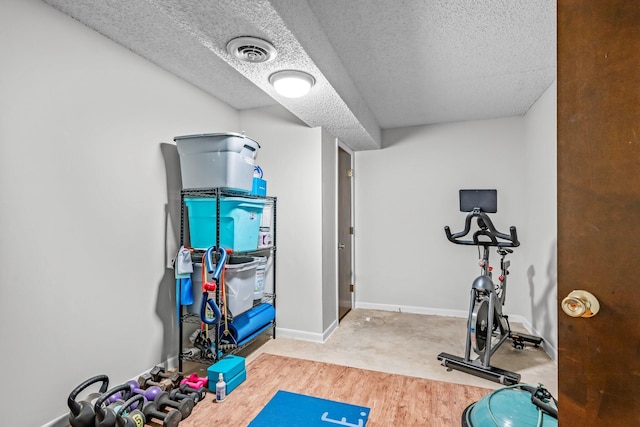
<point x="239" y="222"/>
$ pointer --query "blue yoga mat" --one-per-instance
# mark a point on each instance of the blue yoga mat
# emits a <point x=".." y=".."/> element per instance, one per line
<point x="292" y="409"/>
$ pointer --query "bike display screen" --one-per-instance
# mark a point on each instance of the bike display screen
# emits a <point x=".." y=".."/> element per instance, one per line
<point x="486" y="200"/>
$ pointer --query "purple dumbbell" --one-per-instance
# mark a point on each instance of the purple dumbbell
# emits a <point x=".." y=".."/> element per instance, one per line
<point x="120" y="397"/>
<point x="149" y="393"/>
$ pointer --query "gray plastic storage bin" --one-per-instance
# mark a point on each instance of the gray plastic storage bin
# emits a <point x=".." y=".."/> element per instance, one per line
<point x="217" y="160"/>
<point x="263" y="277"/>
<point x="240" y="282"/>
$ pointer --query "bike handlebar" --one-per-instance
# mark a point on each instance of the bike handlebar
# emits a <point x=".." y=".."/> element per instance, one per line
<point x="508" y="240"/>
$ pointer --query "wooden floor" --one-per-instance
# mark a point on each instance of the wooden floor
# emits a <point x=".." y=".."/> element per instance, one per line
<point x="395" y="400"/>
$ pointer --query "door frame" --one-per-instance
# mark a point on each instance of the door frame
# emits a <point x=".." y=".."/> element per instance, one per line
<point x="351" y="153"/>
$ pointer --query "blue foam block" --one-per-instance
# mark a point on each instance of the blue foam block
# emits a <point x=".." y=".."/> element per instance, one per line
<point x="287" y="409"/>
<point x="229" y="366"/>
<point x="236" y="381"/>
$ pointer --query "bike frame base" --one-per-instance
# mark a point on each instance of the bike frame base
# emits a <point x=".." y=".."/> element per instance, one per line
<point x="520" y="339"/>
<point x="474" y="367"/>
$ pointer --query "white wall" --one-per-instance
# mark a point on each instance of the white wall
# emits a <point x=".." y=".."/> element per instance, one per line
<point x="84" y="191"/>
<point x="407" y="192"/>
<point x="541" y="231"/>
<point x="291" y="157"/>
<point x="299" y="165"/>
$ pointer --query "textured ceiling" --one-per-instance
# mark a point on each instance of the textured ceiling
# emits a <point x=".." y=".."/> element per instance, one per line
<point x="378" y="63"/>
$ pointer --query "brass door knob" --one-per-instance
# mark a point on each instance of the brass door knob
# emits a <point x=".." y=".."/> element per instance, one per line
<point x="580" y="304"/>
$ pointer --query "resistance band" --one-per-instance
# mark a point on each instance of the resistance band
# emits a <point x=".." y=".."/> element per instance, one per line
<point x="209" y="303"/>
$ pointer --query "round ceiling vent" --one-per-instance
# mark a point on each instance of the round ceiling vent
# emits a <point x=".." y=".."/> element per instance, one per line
<point x="251" y="49"/>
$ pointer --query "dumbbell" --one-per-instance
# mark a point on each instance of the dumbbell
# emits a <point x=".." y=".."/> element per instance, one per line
<point x="81" y="413"/>
<point x="146" y="380"/>
<point x="177" y="395"/>
<point x="158" y="373"/>
<point x="169" y="419"/>
<point x="195" y="381"/>
<point x="162" y="398"/>
<point x="134" y="418"/>
<point x="148" y="394"/>
<point x="201" y="391"/>
<point x="185" y="406"/>
<point x="106" y="416"/>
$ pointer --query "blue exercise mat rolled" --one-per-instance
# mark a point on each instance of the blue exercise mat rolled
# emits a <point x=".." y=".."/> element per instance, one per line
<point x="250" y="323"/>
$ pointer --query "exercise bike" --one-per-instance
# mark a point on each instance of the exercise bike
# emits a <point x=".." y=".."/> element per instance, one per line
<point x="487" y="326"/>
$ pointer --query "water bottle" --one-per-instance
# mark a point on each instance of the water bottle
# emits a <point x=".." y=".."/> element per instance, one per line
<point x="221" y="388"/>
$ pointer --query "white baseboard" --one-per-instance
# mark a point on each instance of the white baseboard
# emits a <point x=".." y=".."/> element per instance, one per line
<point x="412" y="309"/>
<point x="330" y="330"/>
<point x="61" y="421"/>
<point x="299" y="335"/>
<point x="171" y="363"/>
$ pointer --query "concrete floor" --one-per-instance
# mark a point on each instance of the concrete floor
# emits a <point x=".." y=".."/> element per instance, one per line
<point x="408" y="344"/>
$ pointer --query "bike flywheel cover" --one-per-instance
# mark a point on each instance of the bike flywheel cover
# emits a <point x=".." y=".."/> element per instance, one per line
<point x="480" y="326"/>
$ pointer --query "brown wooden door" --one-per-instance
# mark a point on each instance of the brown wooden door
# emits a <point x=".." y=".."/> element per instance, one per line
<point x="599" y="210"/>
<point x="344" y="233"/>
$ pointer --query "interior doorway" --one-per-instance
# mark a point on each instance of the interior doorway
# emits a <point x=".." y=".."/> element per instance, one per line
<point x="345" y="233"/>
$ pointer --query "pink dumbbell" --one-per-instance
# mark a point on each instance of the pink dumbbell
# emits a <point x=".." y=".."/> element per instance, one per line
<point x="195" y="381"/>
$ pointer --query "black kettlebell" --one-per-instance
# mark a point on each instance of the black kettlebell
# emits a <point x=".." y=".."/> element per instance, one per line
<point x="106" y="416"/>
<point x="134" y="418"/>
<point x="81" y="414"/>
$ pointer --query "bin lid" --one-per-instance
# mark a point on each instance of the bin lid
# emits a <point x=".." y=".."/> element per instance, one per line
<point x="215" y="135"/>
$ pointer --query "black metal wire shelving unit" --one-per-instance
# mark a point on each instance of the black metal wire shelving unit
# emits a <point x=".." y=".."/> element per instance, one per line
<point x="221" y="349"/>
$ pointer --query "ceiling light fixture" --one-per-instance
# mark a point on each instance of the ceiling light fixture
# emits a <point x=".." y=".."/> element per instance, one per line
<point x="292" y="83"/>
